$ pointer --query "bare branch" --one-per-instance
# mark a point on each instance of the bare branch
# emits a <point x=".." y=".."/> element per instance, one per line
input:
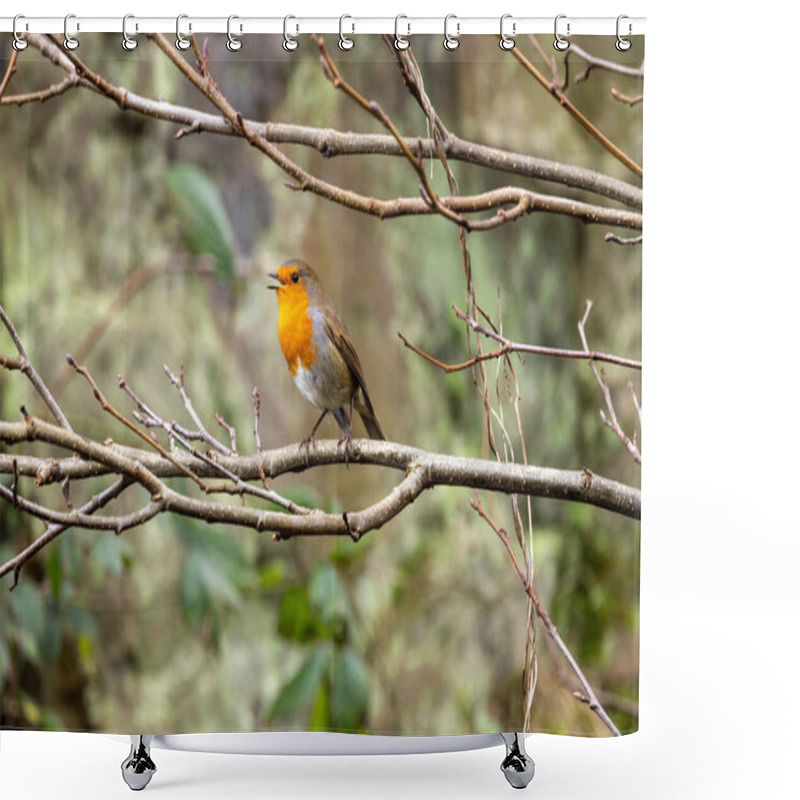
<point x="541" y="612"/>
<point x="99" y="501"/>
<point x="593" y="62"/>
<point x="201" y="432"/>
<point x="612" y="237"/>
<point x="24" y="365"/>
<point x="10" y="70"/>
<point x="631" y="100"/>
<point x="507" y="346"/>
<point x="258" y="135"/>
<point x="42" y="95"/>
<point x="149" y="468"/>
<point x="602" y="382"/>
<point x="568" y="105"/>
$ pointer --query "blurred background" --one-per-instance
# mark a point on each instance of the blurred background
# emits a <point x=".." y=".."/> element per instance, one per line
<point x="131" y="249"/>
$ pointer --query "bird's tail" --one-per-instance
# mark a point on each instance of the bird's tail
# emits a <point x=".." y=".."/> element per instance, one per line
<point x="369" y="417"/>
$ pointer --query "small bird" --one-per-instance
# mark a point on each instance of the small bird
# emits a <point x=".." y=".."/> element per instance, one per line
<point x="319" y="352"/>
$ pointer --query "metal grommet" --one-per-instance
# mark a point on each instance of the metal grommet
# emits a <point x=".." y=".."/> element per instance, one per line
<point x="451" y="42"/>
<point x="289" y="42"/>
<point x="181" y="42"/>
<point x="344" y="42"/>
<point x="233" y="44"/>
<point x="401" y="42"/>
<point x="70" y="42"/>
<point x="128" y="42"/>
<point x="506" y="42"/>
<point x="19" y="44"/>
<point x="560" y="43"/>
<point x="623" y="44"/>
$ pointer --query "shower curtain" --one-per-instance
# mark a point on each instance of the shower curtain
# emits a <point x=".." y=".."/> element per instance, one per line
<point x="456" y="549"/>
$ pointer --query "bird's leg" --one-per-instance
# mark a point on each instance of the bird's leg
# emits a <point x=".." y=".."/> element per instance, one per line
<point x="347" y="438"/>
<point x="308" y="441"/>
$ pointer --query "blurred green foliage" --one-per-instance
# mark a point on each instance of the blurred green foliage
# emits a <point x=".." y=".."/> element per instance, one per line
<point x="331" y="683"/>
<point x="207" y="229"/>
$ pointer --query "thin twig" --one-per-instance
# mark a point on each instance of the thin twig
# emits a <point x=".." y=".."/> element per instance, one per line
<point x="202" y="433"/>
<point x="106" y="406"/>
<point x="570" y="107"/>
<point x="25" y="366"/>
<point x="541" y="612"/>
<point x="631" y="100"/>
<point x="10" y="70"/>
<point x="42" y="95"/>
<point x="602" y="382"/>
<point x="612" y="237"/>
<point x="507" y="346"/>
<point x="99" y="501"/>
<point x="332" y="73"/>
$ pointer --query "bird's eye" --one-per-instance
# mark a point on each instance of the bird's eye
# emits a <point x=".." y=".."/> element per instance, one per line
<point x="295" y="277"/>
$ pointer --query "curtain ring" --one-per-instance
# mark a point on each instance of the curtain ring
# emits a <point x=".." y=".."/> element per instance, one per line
<point x="181" y="42"/>
<point x="506" y="42"/>
<point x="19" y="44"/>
<point x="70" y="42"/>
<point x="623" y="44"/>
<point x="233" y="44"/>
<point x="451" y="42"/>
<point x="401" y="42"/>
<point x="289" y="42"/>
<point x="128" y="42"/>
<point x="560" y="44"/>
<point x="345" y="43"/>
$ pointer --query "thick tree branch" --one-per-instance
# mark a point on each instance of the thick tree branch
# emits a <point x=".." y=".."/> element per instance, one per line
<point x="150" y="469"/>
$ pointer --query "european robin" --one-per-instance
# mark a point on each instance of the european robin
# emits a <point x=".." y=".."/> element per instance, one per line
<point x="320" y="354"/>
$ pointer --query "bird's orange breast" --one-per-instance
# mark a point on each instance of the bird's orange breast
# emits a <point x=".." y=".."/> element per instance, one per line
<point x="295" y="328"/>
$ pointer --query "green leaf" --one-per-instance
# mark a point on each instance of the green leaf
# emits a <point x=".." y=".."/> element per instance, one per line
<point x="54" y="570"/>
<point x="272" y="574"/>
<point x="108" y="550"/>
<point x="28" y="611"/>
<point x="295" y="620"/>
<point x="215" y="571"/>
<point x="299" y="692"/>
<point x="320" y="719"/>
<point x="349" y="690"/>
<point x="207" y="228"/>
<point x="327" y="595"/>
<point x="50" y="643"/>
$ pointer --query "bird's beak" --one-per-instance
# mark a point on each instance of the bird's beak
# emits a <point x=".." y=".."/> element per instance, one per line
<point x="275" y="276"/>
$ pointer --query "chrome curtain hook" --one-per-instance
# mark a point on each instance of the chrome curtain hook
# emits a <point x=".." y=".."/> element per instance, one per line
<point x="345" y="43"/>
<point x="233" y="44"/>
<point x="19" y="43"/>
<point x="506" y="42"/>
<point x="128" y="42"/>
<point x="289" y="42"/>
<point x="181" y="42"/>
<point x="451" y="42"/>
<point x="401" y="42"/>
<point x="70" y="42"/>
<point x="623" y="44"/>
<point x="560" y="44"/>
